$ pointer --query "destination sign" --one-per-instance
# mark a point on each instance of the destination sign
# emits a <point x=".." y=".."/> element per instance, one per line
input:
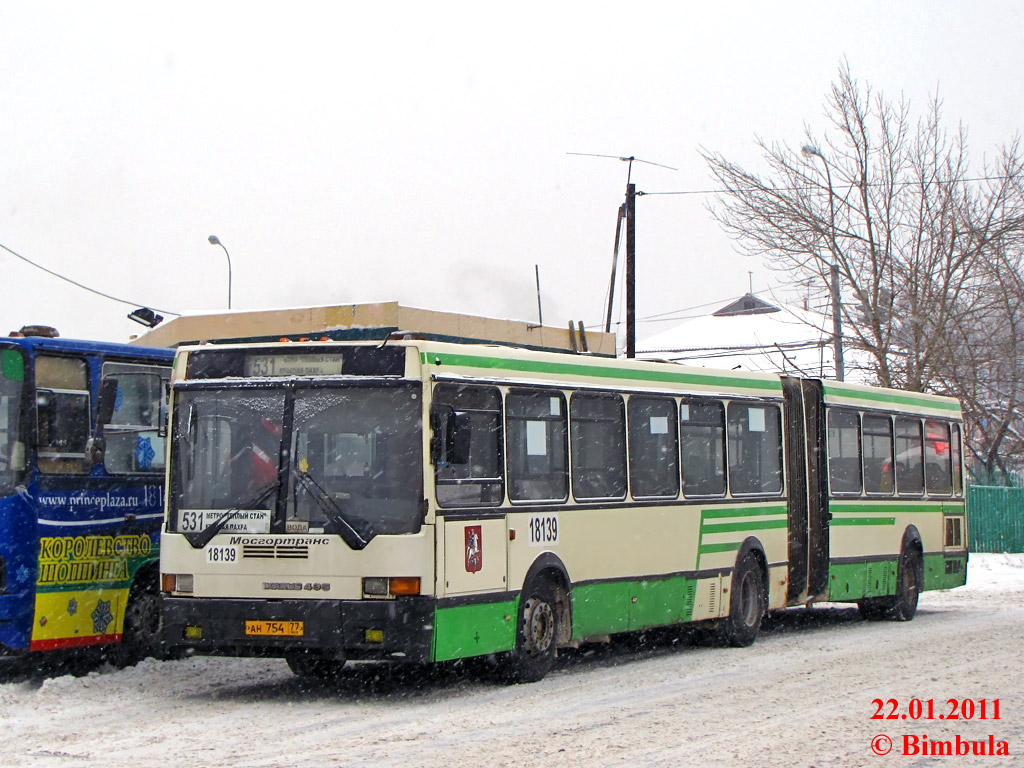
<point x="293" y="365"/>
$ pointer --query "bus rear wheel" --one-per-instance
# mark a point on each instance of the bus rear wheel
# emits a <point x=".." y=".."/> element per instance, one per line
<point x="903" y="605"/>
<point x="747" y="604"/>
<point x="536" y="636"/>
<point x="909" y="580"/>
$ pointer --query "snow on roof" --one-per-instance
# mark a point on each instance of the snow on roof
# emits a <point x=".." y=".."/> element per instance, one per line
<point x="790" y="340"/>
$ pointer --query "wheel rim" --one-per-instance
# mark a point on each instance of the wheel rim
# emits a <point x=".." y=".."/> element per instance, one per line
<point x="749" y="599"/>
<point x="538" y="626"/>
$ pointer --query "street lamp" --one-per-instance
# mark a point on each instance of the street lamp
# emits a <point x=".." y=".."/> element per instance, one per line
<point x="214" y="240"/>
<point x="146" y="316"/>
<point x="837" y="324"/>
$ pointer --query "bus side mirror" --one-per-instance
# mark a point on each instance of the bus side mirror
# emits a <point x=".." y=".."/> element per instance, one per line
<point x="95" y="448"/>
<point x="165" y="400"/>
<point x="18" y="456"/>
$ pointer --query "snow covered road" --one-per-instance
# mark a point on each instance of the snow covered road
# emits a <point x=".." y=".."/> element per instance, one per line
<point x="802" y="695"/>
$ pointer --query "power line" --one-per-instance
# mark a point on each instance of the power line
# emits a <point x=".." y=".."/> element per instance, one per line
<point x="797" y="189"/>
<point x="85" y="287"/>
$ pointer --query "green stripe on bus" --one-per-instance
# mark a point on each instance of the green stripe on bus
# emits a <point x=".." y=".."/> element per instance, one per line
<point x="621" y="606"/>
<point x="889" y="508"/>
<point x="746" y="525"/>
<point x="854" y="581"/>
<point x="87" y="586"/>
<point x="863" y="521"/>
<point x="596" y="371"/>
<point x="474" y="630"/>
<point x="942" y="572"/>
<point x="710" y="549"/>
<point x="888" y="396"/>
<point x="775" y="509"/>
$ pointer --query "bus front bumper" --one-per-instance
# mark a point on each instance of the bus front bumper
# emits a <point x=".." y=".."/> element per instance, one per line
<point x="400" y="629"/>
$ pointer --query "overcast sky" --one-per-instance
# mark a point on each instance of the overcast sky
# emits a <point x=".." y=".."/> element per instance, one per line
<point x="348" y="152"/>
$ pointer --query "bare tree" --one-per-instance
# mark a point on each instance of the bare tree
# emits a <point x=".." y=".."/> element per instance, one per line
<point x="924" y="249"/>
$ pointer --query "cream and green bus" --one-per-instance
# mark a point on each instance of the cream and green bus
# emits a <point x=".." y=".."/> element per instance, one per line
<point x="424" y="501"/>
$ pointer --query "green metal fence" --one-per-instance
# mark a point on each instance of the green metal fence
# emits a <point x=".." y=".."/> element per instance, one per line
<point x="995" y="519"/>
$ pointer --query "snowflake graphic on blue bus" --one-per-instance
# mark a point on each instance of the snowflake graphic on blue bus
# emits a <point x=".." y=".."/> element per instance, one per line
<point x="144" y="453"/>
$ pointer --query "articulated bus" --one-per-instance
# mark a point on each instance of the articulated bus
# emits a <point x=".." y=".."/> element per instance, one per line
<point x="82" y="459"/>
<point x="426" y="501"/>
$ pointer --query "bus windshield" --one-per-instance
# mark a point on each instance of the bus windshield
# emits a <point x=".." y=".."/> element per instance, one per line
<point x="12" y="450"/>
<point x="351" y="457"/>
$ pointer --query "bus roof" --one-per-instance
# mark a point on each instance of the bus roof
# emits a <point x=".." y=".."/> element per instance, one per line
<point x="42" y="343"/>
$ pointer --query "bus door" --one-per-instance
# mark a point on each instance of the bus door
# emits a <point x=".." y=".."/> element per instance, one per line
<point x="97" y="522"/>
<point x="796" y="471"/>
<point x="818" y="515"/>
<point x="467" y="454"/>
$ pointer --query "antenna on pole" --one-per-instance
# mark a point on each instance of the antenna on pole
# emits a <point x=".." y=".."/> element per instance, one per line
<point x="615" y="264"/>
<point x="540" y="314"/>
<point x="627" y="211"/>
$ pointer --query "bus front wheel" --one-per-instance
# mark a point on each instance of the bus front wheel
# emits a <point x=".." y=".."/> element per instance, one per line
<point x="311" y="666"/>
<point x="536" y="636"/>
<point x="142" y="625"/>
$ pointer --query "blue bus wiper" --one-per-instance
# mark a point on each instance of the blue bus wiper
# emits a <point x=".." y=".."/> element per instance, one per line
<point x="200" y="539"/>
<point x="354" y="531"/>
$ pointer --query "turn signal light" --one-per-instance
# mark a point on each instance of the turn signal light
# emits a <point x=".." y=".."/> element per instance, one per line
<point x="176" y="582"/>
<point x="404" y="585"/>
<point x="381" y="586"/>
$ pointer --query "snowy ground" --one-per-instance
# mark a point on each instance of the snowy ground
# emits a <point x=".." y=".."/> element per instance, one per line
<point x="802" y="695"/>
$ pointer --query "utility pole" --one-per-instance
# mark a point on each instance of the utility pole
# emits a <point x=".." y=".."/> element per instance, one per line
<point x="631" y="270"/>
<point x="833" y="288"/>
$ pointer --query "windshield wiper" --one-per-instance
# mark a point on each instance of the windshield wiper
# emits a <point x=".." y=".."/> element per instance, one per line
<point x="354" y="531"/>
<point x="200" y="539"/>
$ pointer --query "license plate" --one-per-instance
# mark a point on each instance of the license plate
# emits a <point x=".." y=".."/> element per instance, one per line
<point x="274" y="628"/>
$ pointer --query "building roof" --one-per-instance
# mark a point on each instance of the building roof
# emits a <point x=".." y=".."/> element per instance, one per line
<point x="755" y="335"/>
<point x="351" y="322"/>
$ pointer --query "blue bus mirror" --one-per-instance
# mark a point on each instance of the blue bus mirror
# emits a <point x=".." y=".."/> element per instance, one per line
<point x="95" y="448"/>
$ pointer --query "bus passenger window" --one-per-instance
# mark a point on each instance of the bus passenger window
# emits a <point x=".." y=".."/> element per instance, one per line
<point x="538" y="467"/>
<point x="597" y="426"/>
<point x="653" y="447"/>
<point x="702" y="438"/>
<point x="133" y="439"/>
<point x="63" y="414"/>
<point x="909" y="457"/>
<point x="955" y="454"/>
<point x="12" y="440"/>
<point x="844" y="452"/>
<point x="755" y="448"/>
<point x="479" y="481"/>
<point x="938" y="469"/>
<point x="879" y="473"/>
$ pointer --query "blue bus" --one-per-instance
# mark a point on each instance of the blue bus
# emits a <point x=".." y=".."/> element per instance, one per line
<point x="82" y="434"/>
